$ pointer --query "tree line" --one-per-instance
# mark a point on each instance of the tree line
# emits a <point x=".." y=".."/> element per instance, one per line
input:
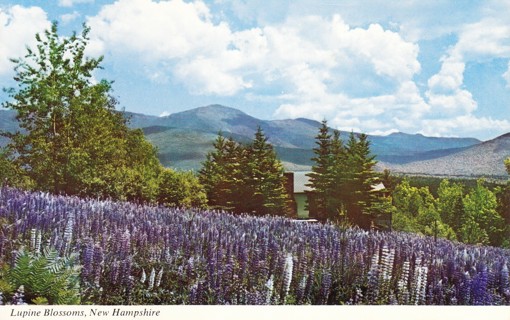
<point x="476" y="215"/>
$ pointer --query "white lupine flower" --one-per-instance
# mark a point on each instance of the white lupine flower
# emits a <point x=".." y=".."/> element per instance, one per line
<point x="289" y="265"/>
<point x="38" y="243"/>
<point x="32" y="238"/>
<point x="144" y="276"/>
<point x="159" y="277"/>
<point x="270" y="287"/>
<point x="151" y="279"/>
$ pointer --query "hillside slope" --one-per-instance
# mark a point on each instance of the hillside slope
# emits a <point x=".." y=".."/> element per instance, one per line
<point x="485" y="159"/>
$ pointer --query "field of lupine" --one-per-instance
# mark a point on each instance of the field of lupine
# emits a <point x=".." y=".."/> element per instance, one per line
<point x="133" y="254"/>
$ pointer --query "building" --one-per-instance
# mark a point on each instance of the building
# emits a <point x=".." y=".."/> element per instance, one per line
<point x="303" y="204"/>
<point x="297" y="188"/>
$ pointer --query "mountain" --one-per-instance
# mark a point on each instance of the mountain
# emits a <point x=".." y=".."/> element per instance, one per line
<point x="484" y="159"/>
<point x="293" y="138"/>
<point x="184" y="138"/>
<point x="8" y="123"/>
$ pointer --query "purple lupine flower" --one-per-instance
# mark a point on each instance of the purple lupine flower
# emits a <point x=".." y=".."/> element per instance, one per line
<point x="114" y="273"/>
<point x="88" y="260"/>
<point x="325" y="287"/>
<point x="19" y="296"/>
<point x="480" y="294"/>
<point x="505" y="281"/>
<point x="98" y="261"/>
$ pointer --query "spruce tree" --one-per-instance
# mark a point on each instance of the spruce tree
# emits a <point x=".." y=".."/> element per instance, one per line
<point x="214" y="176"/>
<point x="245" y="179"/>
<point x="321" y="175"/>
<point x="339" y="178"/>
<point x="265" y="178"/>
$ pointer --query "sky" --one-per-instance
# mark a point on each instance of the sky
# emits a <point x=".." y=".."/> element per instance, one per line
<point x="438" y="68"/>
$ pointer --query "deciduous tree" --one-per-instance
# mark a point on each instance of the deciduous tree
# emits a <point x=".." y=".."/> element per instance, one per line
<point x="72" y="139"/>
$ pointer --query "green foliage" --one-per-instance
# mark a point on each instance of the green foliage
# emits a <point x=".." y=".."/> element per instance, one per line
<point x="416" y="211"/>
<point x="476" y="217"/>
<point x="482" y="223"/>
<point x="180" y="189"/>
<point x="73" y="141"/>
<point x="46" y="278"/>
<point x="218" y="173"/>
<point x="322" y="175"/>
<point x="245" y="179"/>
<point x="450" y="203"/>
<point x="11" y="174"/>
<point x="264" y="178"/>
<point x="342" y="179"/>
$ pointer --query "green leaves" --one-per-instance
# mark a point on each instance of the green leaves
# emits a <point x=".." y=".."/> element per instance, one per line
<point x="46" y="277"/>
<point x="180" y="189"/>
<point x="73" y="141"/>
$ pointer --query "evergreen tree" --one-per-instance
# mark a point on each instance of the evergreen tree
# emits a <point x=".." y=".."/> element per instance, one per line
<point x="339" y="178"/>
<point x="321" y="178"/>
<point x="214" y="175"/>
<point x="361" y="178"/>
<point x="245" y="179"/>
<point x="265" y="179"/>
<point x="342" y="179"/>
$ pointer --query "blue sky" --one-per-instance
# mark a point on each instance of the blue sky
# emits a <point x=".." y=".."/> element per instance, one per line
<point x="439" y="68"/>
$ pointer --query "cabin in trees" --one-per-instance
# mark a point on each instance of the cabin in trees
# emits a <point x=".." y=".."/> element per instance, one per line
<point x="303" y="202"/>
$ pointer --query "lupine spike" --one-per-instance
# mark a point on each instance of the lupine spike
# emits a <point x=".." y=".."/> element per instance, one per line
<point x="151" y="279"/>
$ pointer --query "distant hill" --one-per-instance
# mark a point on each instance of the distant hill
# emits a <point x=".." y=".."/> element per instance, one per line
<point x="484" y="159"/>
<point x="8" y="123"/>
<point x="293" y="138"/>
<point x="184" y="138"/>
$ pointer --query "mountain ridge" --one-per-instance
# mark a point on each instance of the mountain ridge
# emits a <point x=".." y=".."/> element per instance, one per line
<point x="184" y="138"/>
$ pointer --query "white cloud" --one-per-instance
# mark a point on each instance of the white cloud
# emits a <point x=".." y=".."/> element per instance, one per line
<point x="16" y="33"/>
<point x="69" y="17"/>
<point x="310" y="65"/>
<point x="70" y="3"/>
<point x="464" y="125"/>
<point x="383" y="133"/>
<point x="487" y="38"/>
<point x="300" y="54"/>
<point x="483" y="40"/>
<point x="450" y="77"/>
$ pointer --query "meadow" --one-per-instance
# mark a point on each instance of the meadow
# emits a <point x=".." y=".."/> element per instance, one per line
<point x="124" y="253"/>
